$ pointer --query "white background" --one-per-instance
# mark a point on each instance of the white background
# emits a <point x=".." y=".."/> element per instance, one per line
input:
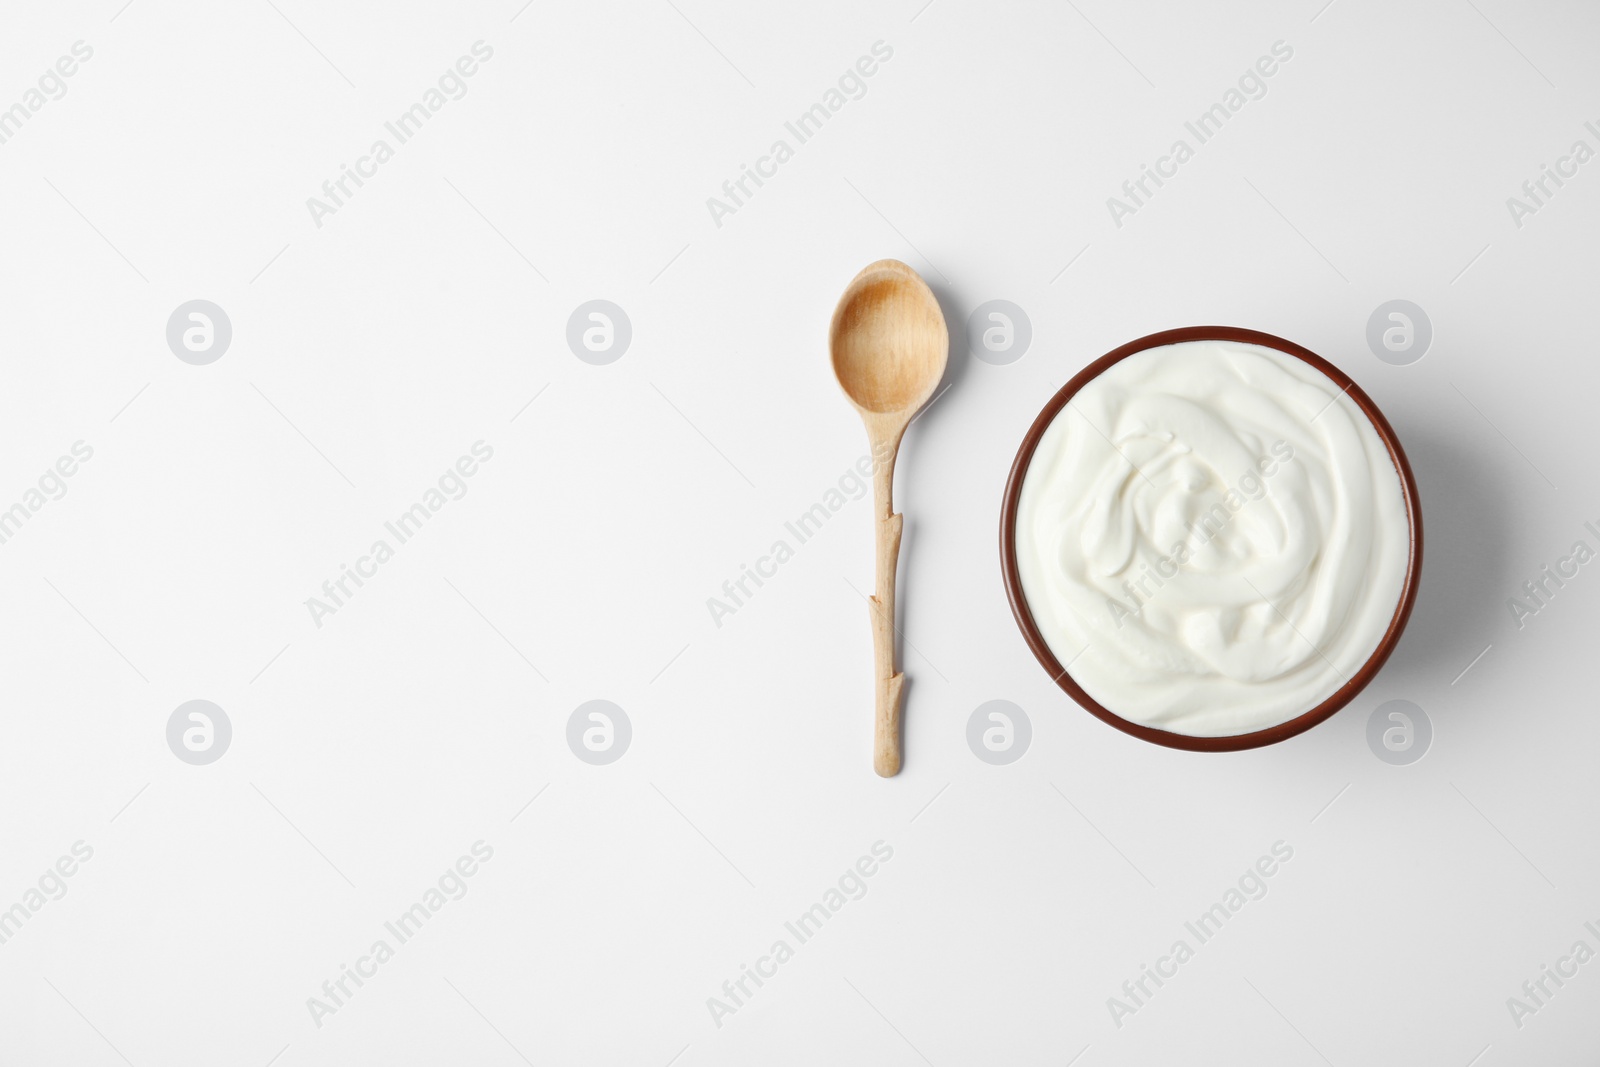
<point x="369" y="353"/>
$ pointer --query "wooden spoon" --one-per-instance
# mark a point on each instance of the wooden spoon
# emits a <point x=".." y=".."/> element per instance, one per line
<point x="889" y="346"/>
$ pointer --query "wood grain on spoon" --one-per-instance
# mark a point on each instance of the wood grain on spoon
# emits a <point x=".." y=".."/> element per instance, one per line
<point x="889" y="347"/>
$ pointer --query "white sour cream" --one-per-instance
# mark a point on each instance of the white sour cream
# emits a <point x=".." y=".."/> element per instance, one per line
<point x="1212" y="538"/>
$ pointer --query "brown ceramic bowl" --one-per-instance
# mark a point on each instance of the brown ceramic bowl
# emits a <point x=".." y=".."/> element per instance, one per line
<point x="1030" y="630"/>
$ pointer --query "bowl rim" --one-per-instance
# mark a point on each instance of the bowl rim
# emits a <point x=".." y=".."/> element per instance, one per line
<point x="1041" y="649"/>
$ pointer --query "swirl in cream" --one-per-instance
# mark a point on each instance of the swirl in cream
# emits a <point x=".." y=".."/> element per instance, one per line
<point x="1213" y="537"/>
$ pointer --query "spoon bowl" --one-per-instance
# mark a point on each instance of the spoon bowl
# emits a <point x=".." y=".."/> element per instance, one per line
<point x="888" y="340"/>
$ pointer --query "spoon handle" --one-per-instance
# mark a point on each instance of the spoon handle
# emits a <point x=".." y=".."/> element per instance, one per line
<point x="887" y="681"/>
